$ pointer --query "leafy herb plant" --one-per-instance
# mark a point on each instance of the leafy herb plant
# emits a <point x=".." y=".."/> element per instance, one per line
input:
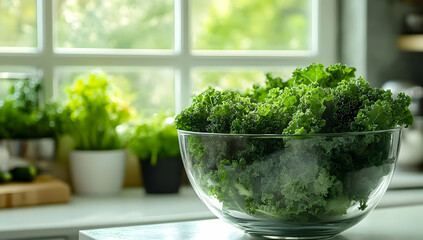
<point x="155" y="138"/>
<point x="21" y="116"/>
<point x="93" y="113"/>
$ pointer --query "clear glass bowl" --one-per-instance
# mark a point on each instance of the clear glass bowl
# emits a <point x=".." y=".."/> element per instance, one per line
<point x="290" y="186"/>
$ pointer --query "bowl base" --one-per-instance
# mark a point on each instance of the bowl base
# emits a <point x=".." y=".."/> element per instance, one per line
<point x="295" y="231"/>
<point x="267" y="236"/>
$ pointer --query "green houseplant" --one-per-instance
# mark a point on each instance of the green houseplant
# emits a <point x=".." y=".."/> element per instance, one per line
<point x="21" y="116"/>
<point x="155" y="143"/>
<point x="91" y="117"/>
<point x="27" y="129"/>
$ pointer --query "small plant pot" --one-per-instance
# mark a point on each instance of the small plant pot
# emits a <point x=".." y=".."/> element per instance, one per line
<point x="164" y="177"/>
<point x="97" y="172"/>
<point x="40" y="152"/>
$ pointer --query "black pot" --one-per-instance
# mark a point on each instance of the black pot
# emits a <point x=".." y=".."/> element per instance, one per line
<point x="164" y="177"/>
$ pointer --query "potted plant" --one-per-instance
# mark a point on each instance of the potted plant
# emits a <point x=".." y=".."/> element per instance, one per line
<point x="27" y="130"/>
<point x="91" y="117"/>
<point x="155" y="143"/>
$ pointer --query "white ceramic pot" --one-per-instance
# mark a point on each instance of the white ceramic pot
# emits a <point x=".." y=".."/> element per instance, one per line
<point x="97" y="172"/>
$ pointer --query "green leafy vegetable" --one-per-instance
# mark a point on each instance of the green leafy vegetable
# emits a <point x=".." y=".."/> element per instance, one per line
<point x="298" y="176"/>
<point x="155" y="138"/>
<point x="315" y="100"/>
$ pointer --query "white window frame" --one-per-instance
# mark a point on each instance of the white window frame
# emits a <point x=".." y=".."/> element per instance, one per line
<point x="48" y="59"/>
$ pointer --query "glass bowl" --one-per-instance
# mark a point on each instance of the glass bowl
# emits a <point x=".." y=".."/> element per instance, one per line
<point x="290" y="186"/>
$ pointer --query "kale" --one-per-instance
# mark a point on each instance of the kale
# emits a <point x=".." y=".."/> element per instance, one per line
<point x="315" y="100"/>
<point x="300" y="175"/>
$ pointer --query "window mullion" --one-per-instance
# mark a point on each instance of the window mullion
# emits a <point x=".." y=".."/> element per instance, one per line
<point x="46" y="58"/>
<point x="183" y="55"/>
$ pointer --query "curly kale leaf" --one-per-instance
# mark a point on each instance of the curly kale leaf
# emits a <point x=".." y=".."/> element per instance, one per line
<point x="315" y="100"/>
<point x="348" y="97"/>
<point x="308" y="117"/>
<point x="384" y="113"/>
<point x="225" y="117"/>
<point x="214" y="111"/>
<point x="318" y="75"/>
<point x="259" y="94"/>
<point x="272" y="115"/>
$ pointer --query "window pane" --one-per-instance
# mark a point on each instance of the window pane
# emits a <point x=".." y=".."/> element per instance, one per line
<point x="149" y="90"/>
<point x="5" y="85"/>
<point x="119" y="24"/>
<point x="251" y="24"/>
<point x="9" y="77"/>
<point x="233" y="79"/>
<point x="18" y="21"/>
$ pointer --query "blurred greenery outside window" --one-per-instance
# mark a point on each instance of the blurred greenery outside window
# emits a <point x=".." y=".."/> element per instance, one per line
<point x="18" y="21"/>
<point x="143" y="45"/>
<point x="233" y="78"/>
<point x="115" y="24"/>
<point x="5" y="85"/>
<point x="10" y="78"/>
<point x="147" y="89"/>
<point x="251" y="25"/>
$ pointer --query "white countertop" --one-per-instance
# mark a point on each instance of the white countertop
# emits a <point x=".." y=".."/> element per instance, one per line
<point x="134" y="207"/>
<point x="131" y="207"/>
<point x="382" y="224"/>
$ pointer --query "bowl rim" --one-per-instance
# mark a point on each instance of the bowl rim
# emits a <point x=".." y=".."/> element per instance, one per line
<point x="343" y="134"/>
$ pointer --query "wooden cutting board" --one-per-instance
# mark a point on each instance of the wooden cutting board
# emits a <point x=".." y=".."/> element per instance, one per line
<point x="43" y="190"/>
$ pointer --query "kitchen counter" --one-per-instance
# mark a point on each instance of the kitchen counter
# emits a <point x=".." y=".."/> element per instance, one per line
<point x="388" y="224"/>
<point x="133" y="207"/>
<point x="397" y="216"/>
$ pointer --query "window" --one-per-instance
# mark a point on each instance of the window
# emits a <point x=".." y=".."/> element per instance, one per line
<point x="251" y="25"/>
<point x="114" y="24"/>
<point x="10" y="75"/>
<point x="232" y="78"/>
<point x="19" y="26"/>
<point x="163" y="51"/>
<point x="147" y="88"/>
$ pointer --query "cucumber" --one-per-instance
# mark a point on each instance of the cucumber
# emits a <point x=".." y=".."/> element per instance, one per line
<point x="25" y="173"/>
<point x="5" y="176"/>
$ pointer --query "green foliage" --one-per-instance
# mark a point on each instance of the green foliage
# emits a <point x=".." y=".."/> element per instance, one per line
<point x="19" y="23"/>
<point x="155" y="138"/>
<point x="120" y="24"/>
<point x="315" y="100"/>
<point x="298" y="176"/>
<point x="241" y="24"/>
<point x="93" y="113"/>
<point x="22" y="117"/>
